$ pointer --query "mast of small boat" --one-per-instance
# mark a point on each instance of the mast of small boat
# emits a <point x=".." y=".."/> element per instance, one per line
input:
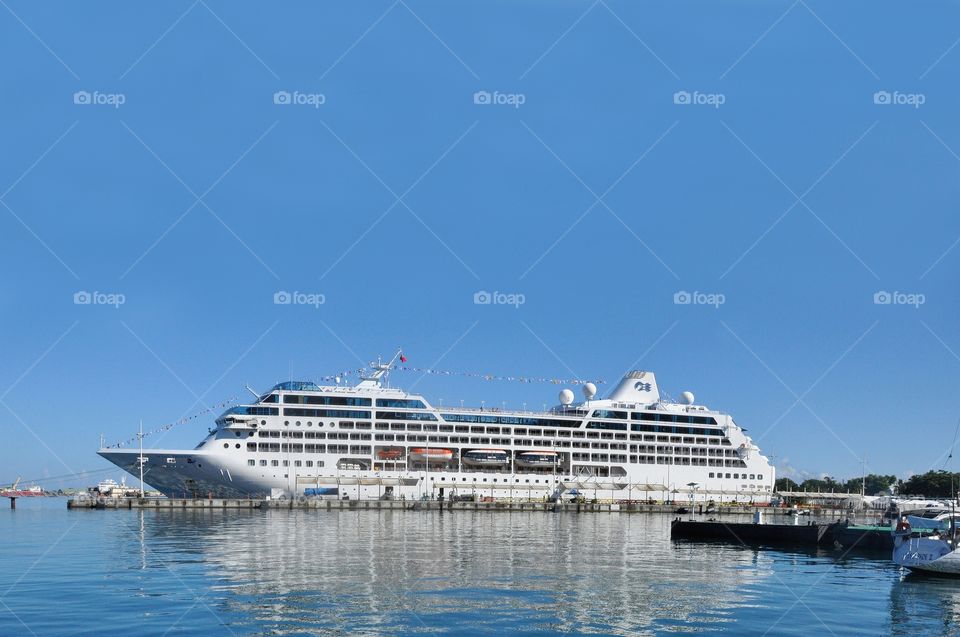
<point x="953" y="519"/>
<point x="140" y="459"/>
<point x="953" y="494"/>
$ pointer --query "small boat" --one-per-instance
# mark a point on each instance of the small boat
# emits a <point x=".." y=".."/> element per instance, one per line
<point x="106" y="487"/>
<point x="485" y="458"/>
<point x="390" y="454"/>
<point x="935" y="553"/>
<point x="537" y="459"/>
<point x="433" y="456"/>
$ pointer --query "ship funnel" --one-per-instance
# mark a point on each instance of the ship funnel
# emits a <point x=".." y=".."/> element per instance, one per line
<point x="637" y="387"/>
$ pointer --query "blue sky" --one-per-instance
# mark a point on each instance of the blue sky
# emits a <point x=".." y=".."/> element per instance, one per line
<point x="814" y="166"/>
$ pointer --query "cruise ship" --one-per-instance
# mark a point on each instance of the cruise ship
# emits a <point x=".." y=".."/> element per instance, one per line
<point x="373" y="441"/>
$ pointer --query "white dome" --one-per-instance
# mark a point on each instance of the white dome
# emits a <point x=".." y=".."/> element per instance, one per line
<point x="589" y="390"/>
<point x="566" y="397"/>
<point x="687" y="398"/>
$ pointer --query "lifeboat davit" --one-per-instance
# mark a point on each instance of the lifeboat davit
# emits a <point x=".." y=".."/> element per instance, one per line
<point x="433" y="456"/>
<point x="537" y="459"/>
<point x="485" y="458"/>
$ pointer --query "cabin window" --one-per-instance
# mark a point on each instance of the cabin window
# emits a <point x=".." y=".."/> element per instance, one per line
<point x="251" y="463"/>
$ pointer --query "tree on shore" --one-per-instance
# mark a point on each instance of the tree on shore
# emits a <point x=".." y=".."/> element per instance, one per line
<point x="875" y="484"/>
<point x="932" y="484"/>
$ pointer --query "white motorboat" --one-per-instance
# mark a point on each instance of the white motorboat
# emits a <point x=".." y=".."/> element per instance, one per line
<point x="936" y="553"/>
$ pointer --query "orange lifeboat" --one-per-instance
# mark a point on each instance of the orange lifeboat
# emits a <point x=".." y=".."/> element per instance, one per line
<point x="433" y="456"/>
<point x="390" y="454"/>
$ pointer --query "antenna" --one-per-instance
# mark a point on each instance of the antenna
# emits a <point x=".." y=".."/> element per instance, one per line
<point x="255" y="394"/>
<point x="381" y="370"/>
<point x="863" y="479"/>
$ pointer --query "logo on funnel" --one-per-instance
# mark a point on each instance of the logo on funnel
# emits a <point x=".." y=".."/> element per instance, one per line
<point x="641" y="386"/>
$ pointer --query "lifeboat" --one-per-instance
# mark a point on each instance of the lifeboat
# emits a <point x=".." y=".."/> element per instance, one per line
<point x="390" y="454"/>
<point x="433" y="456"/>
<point x="485" y="458"/>
<point x="537" y="459"/>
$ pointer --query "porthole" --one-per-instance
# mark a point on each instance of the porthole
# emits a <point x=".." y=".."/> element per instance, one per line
<point x="309" y="423"/>
<point x="238" y="445"/>
<point x="226" y="445"/>
<point x="286" y="423"/>
<point x="263" y="422"/>
<point x="298" y="423"/>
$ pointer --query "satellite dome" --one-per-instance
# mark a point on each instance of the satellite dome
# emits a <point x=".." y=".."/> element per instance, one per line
<point x="589" y="390"/>
<point x="566" y="397"/>
<point x="687" y="398"/>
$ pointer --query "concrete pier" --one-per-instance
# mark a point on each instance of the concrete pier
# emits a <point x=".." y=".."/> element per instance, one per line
<point x="739" y="532"/>
<point x="314" y="503"/>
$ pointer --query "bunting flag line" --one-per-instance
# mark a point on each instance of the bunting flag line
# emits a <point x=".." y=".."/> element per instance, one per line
<point x="171" y="425"/>
<point x="441" y="372"/>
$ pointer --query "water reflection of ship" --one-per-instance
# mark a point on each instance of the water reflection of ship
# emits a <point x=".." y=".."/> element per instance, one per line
<point x="616" y="573"/>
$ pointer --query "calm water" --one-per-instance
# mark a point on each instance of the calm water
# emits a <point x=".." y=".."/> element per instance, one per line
<point x="300" y="573"/>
